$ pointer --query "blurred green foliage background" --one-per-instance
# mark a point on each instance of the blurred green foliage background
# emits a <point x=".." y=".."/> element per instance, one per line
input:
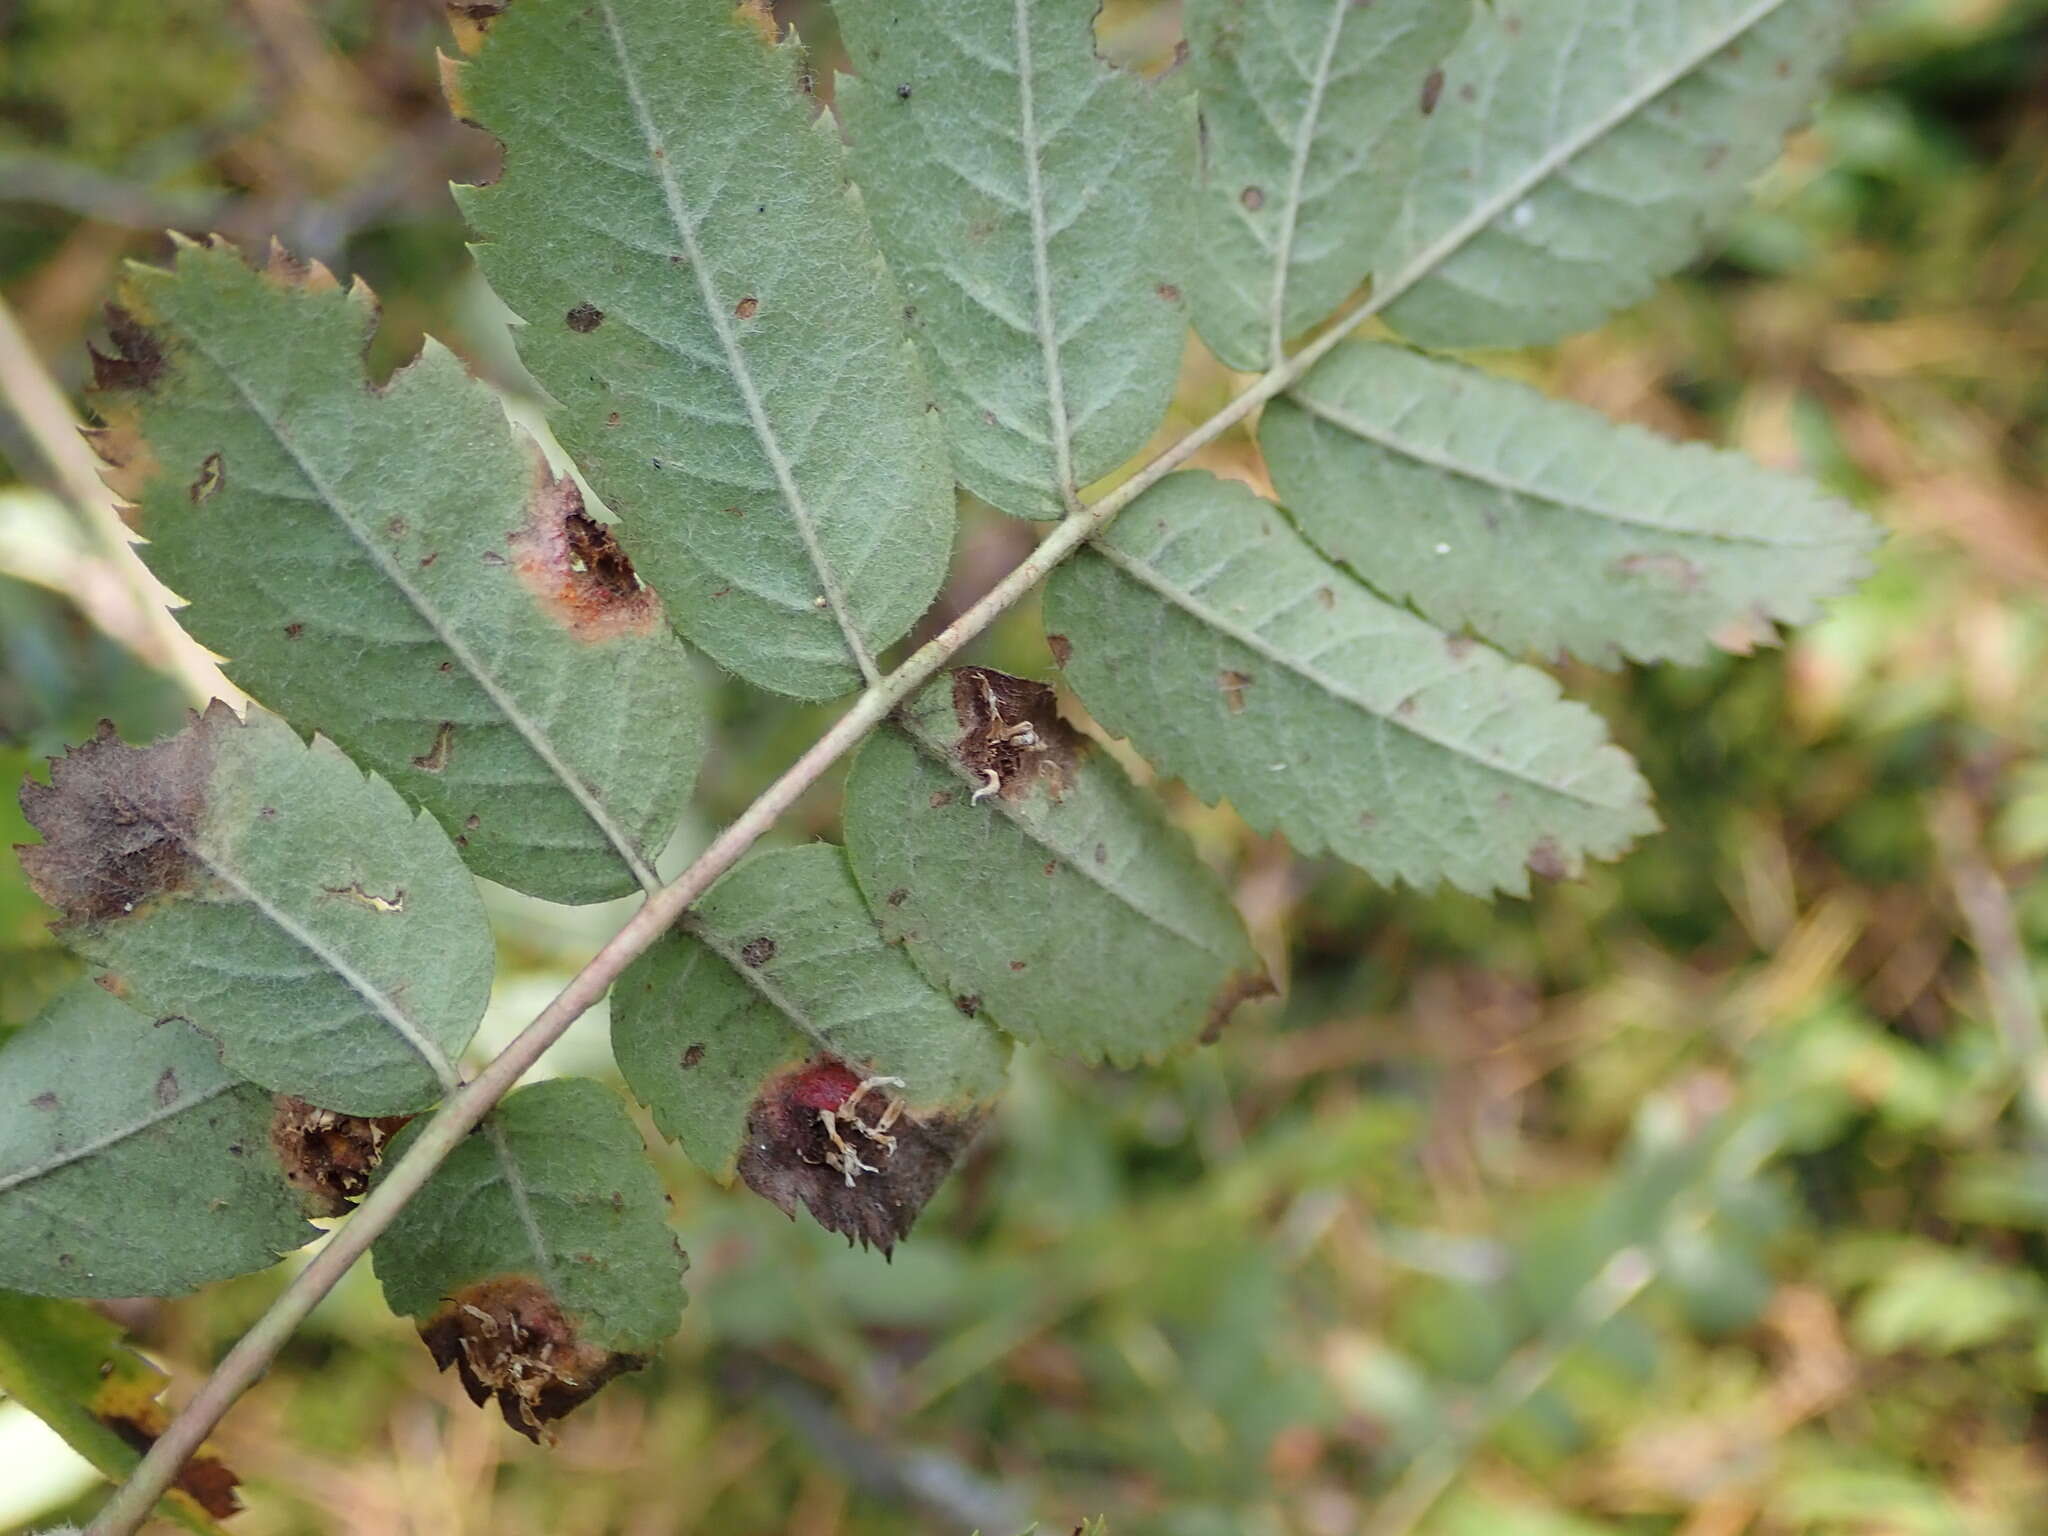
<point x="1706" y="1196"/>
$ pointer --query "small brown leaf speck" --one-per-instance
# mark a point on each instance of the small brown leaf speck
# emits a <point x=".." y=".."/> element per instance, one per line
<point x="211" y="475"/>
<point x="1432" y="90"/>
<point x="693" y="1055"/>
<point x="293" y="631"/>
<point x="900" y="895"/>
<point x="747" y="308"/>
<point x="1253" y="198"/>
<point x="758" y="952"/>
<point x="584" y="319"/>
<point x="903" y="93"/>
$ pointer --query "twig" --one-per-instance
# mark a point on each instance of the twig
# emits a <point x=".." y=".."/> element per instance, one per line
<point x="462" y="1110"/>
<point x="134" y="608"/>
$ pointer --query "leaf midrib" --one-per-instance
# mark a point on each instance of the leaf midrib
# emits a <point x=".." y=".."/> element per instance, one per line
<point x="1463" y="469"/>
<point x="529" y="730"/>
<point x="1297" y="176"/>
<point x="1041" y="260"/>
<point x="742" y="375"/>
<point x="1186" y="601"/>
<point x="102" y="1143"/>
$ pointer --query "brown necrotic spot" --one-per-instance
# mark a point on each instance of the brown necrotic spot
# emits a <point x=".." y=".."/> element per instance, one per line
<point x="584" y="319"/>
<point x="508" y="1339"/>
<point x="166" y="1090"/>
<point x="900" y="895"/>
<point x="1010" y="727"/>
<point x="435" y="758"/>
<point x="758" y="952"/>
<point x="118" y="822"/>
<point x="747" y="308"/>
<point x="138" y="357"/>
<point x="574" y="565"/>
<point x="138" y="1419"/>
<point x="327" y="1157"/>
<point x="693" y="1056"/>
<point x="1432" y="91"/>
<point x="212" y="475"/>
<point x="1232" y="685"/>
<point x="1239" y="987"/>
<point x="1061" y="648"/>
<point x="845" y="1146"/>
<point x="1253" y="198"/>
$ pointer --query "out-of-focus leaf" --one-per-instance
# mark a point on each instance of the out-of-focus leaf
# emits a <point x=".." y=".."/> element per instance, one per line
<point x="1944" y="1303"/>
<point x="131" y="1164"/>
<point x="538" y="1260"/>
<point x="67" y="1365"/>
<point x="1204" y="628"/>
<point x="706" y="303"/>
<point x="1544" y="526"/>
<point x="774" y="1005"/>
<point x="1033" y="201"/>
<point x="1063" y="904"/>
<point x="1578" y="153"/>
<point x="397" y="569"/>
<point x="300" y="914"/>
<point x="1311" y="111"/>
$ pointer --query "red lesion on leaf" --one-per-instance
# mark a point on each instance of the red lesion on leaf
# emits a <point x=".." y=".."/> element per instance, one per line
<point x="118" y="822"/>
<point x="328" y="1157"/>
<point x="574" y="565"/>
<point x="509" y="1339"/>
<point x="844" y="1144"/>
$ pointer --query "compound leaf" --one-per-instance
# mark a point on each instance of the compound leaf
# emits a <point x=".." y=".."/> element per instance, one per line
<point x="1063" y="904"/>
<point x="303" y="916"/>
<point x="1204" y="628"/>
<point x="767" y="1008"/>
<point x="1030" y="198"/>
<point x="1542" y="525"/>
<point x="396" y="569"/>
<point x="1578" y="153"/>
<point x="68" y="1366"/>
<point x="131" y="1163"/>
<point x="706" y="303"/>
<point x="1311" y="112"/>
<point x="538" y="1260"/>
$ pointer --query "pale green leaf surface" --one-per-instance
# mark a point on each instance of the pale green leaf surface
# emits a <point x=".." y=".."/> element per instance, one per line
<point x="391" y="568"/>
<point x="1578" y="153"/>
<point x="1032" y="200"/>
<point x="70" y="1367"/>
<point x="131" y="1163"/>
<point x="302" y="915"/>
<point x="1542" y="525"/>
<point x="555" y="1186"/>
<point x="781" y="962"/>
<point x="1311" y="112"/>
<point x="1065" y="906"/>
<point x="703" y="298"/>
<point x="1209" y="632"/>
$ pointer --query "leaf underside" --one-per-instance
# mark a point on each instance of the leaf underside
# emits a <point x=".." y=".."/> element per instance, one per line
<point x="1063" y="905"/>
<point x="1031" y="200"/>
<point x="538" y="1260"/>
<point x="1209" y="632"/>
<point x="396" y="569"/>
<point x="1542" y="525"/>
<point x="773" y="1000"/>
<point x="131" y="1162"/>
<point x="1311" y="113"/>
<point x="1578" y="153"/>
<point x="704" y="301"/>
<point x="300" y="914"/>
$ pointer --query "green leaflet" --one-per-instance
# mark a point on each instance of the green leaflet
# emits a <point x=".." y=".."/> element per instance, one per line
<point x="1542" y="525"/>
<point x="1204" y="628"/>
<point x="1578" y="153"/>
<point x="68" y="1366"/>
<point x="775" y="987"/>
<point x="704" y="300"/>
<point x="1065" y="905"/>
<point x="395" y="569"/>
<point x="1311" y="112"/>
<point x="131" y="1163"/>
<point x="538" y="1258"/>
<point x="1032" y="201"/>
<point x="300" y="914"/>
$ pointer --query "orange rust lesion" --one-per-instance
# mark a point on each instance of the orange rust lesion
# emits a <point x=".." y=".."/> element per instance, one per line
<point x="574" y="566"/>
<point x="509" y="1340"/>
